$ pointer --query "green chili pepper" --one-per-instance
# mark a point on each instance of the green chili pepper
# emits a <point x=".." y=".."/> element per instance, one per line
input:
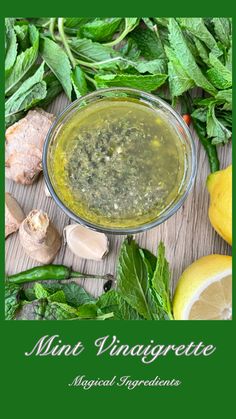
<point x="209" y="147"/>
<point x="47" y="272"/>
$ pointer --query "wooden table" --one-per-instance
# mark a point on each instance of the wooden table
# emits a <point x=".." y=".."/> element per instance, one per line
<point x="187" y="235"/>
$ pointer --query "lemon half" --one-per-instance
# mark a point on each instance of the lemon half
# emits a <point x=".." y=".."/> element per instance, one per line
<point x="204" y="291"/>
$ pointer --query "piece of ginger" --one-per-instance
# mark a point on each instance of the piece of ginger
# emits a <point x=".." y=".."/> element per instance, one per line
<point x="39" y="238"/>
<point x="14" y="214"/>
<point x="24" y="146"/>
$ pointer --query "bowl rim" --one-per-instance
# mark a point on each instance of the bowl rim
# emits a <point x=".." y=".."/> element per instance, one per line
<point x="127" y="230"/>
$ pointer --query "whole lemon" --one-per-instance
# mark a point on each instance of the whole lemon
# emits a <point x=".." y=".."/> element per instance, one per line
<point x="219" y="185"/>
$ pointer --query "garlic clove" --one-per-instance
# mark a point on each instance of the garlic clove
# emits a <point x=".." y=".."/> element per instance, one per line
<point x="86" y="243"/>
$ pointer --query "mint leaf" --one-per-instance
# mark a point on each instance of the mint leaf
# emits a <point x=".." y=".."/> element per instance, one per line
<point x="30" y="99"/>
<point x="88" y="311"/>
<point x="74" y="293"/>
<point x="179" y="80"/>
<point x="225" y="96"/>
<point x="130" y="24"/>
<point x="57" y="60"/>
<point x="130" y="49"/>
<point x="198" y="28"/>
<point x="145" y="82"/>
<point x="132" y="280"/>
<point x="11" y="45"/>
<point x="22" y="33"/>
<point x="219" y="75"/>
<point x="75" y="22"/>
<point x="54" y="87"/>
<point x="149" y="261"/>
<point x="11" y="300"/>
<point x="149" y="23"/>
<point x="28" y="95"/>
<point x="100" y="30"/>
<point x="24" y="61"/>
<point x="215" y="128"/>
<point x="185" y="57"/>
<point x="160" y="282"/>
<point x="152" y="66"/>
<point x="113" y="302"/>
<point x="223" y="30"/>
<point x="93" y="51"/>
<point x="57" y="297"/>
<point x="148" y="43"/>
<point x="228" y="60"/>
<point x="157" y="66"/>
<point x="200" y="114"/>
<point x="163" y="21"/>
<point x="79" y="82"/>
<point x="150" y="257"/>
<point x="224" y="115"/>
<point x="40" y="291"/>
<point x="34" y="310"/>
<point x="43" y="310"/>
<point x="72" y="24"/>
<point x="202" y="51"/>
<point x="59" y="311"/>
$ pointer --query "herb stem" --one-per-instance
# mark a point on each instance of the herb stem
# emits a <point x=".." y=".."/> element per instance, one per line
<point x="46" y="24"/>
<point x="82" y="275"/>
<point x="52" y="27"/>
<point x="117" y="40"/>
<point x="105" y="316"/>
<point x="98" y="63"/>
<point x="120" y="37"/>
<point x="90" y="79"/>
<point x="64" y="41"/>
<point x="101" y="317"/>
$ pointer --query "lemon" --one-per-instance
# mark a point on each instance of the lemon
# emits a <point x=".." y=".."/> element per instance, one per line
<point x="219" y="185"/>
<point x="204" y="291"/>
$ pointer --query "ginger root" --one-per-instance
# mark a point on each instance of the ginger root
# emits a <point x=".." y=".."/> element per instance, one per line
<point x="14" y="214"/>
<point x="39" y="238"/>
<point x="24" y="146"/>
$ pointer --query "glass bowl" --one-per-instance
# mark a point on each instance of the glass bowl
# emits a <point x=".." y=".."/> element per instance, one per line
<point x="155" y="103"/>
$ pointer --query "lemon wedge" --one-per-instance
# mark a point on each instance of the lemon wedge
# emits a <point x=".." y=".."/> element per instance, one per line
<point x="204" y="290"/>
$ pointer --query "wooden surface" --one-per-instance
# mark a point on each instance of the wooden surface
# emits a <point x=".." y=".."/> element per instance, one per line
<point x="187" y="235"/>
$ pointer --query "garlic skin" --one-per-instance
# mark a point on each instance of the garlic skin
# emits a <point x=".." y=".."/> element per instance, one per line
<point x="39" y="238"/>
<point x="46" y="190"/>
<point x="86" y="243"/>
